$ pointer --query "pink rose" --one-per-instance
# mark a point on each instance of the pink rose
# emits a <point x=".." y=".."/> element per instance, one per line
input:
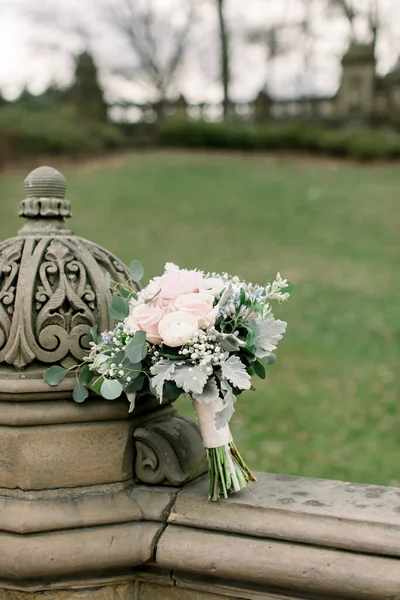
<point x="178" y="282"/>
<point x="200" y="305"/>
<point x="146" y="317"/>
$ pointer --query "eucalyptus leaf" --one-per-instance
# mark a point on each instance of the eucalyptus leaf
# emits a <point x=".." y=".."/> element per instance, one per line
<point x="111" y="389"/>
<point x="119" y="308"/>
<point x="268" y="332"/>
<point x="136" y="349"/>
<point x="96" y="385"/>
<point x="235" y="371"/>
<point x="85" y="376"/>
<point x="80" y="393"/>
<point x="171" y="391"/>
<point x="135" y="385"/>
<point x="55" y="375"/>
<point x="270" y="359"/>
<point x="125" y="293"/>
<point x="94" y="332"/>
<point x="136" y="271"/>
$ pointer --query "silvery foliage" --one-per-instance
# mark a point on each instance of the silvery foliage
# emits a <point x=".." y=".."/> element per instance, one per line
<point x="226" y="295"/>
<point x="268" y="332"/>
<point x="132" y="399"/>
<point x="235" y="371"/>
<point x="162" y="372"/>
<point x="223" y="416"/>
<point x="210" y="392"/>
<point x="229" y="342"/>
<point x="190" y="378"/>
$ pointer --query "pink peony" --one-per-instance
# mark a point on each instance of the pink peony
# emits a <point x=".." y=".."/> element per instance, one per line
<point x="177" y="282"/>
<point x="146" y="317"/>
<point x="200" y="305"/>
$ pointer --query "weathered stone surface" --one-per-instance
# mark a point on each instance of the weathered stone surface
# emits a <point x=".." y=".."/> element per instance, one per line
<point x="74" y="554"/>
<point x="85" y="509"/>
<point x="118" y="592"/>
<point x="151" y="591"/>
<point x="169" y="451"/>
<point x="154" y="501"/>
<point x="65" y="455"/>
<point x="279" y="565"/>
<point x="363" y="518"/>
<point x="59" y="412"/>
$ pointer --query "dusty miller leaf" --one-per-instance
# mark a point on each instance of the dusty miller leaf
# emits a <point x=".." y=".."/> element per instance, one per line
<point x="210" y="392"/>
<point x="162" y="371"/>
<point x="223" y="416"/>
<point x="230" y="343"/>
<point x="234" y="371"/>
<point x="191" y="379"/>
<point x="268" y="332"/>
<point x="132" y="399"/>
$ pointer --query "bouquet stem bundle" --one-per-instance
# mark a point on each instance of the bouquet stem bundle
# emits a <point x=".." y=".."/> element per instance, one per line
<point x="227" y="470"/>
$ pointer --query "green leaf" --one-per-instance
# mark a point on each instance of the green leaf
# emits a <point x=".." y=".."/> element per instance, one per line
<point x="111" y="389"/>
<point x="80" y="393"/>
<point x="242" y="297"/>
<point x="259" y="369"/>
<point x="153" y="298"/>
<point x="135" y="385"/>
<point x="96" y="386"/>
<point x="119" y="308"/>
<point x="126" y="293"/>
<point x="85" y="375"/>
<point x="136" y="271"/>
<point x="136" y="349"/>
<point x="171" y="391"/>
<point x="107" y="280"/>
<point x="94" y="332"/>
<point x="54" y="375"/>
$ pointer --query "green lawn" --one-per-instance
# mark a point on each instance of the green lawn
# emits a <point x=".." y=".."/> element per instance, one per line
<point x="330" y="406"/>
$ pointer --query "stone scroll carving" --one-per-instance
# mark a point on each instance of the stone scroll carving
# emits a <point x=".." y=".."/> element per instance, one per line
<point x="169" y="451"/>
<point x="52" y="292"/>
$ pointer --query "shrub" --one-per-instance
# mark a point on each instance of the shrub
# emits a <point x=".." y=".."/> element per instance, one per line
<point x="39" y="132"/>
<point x="358" y="143"/>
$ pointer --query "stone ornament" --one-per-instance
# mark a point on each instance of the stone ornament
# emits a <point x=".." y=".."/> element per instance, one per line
<point x="52" y="288"/>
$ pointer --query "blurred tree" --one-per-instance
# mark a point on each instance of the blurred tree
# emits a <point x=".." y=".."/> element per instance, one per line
<point x="224" y="53"/>
<point x="158" y="38"/>
<point x="86" y="96"/>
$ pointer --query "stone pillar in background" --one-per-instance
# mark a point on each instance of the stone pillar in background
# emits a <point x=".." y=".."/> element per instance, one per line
<point x="69" y="512"/>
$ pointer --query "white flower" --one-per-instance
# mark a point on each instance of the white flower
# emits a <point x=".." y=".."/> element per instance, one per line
<point x="170" y="267"/>
<point x="213" y="285"/>
<point x="177" y="328"/>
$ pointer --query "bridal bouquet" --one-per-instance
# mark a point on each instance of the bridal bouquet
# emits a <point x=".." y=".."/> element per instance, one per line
<point x="187" y="332"/>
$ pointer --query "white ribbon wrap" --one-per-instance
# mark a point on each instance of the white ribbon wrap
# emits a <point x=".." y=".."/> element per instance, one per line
<point x="212" y="438"/>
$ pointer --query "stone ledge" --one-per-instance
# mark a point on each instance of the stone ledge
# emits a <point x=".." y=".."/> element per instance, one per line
<point x="74" y="553"/>
<point x="349" y="516"/>
<point x="83" y="508"/>
<point x="279" y="566"/>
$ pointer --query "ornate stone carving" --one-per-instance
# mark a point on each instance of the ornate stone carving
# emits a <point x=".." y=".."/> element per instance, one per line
<point x="52" y="288"/>
<point x="169" y="451"/>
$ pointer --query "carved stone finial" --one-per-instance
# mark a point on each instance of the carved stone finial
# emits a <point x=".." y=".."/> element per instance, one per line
<point x="45" y="195"/>
<point x="52" y="291"/>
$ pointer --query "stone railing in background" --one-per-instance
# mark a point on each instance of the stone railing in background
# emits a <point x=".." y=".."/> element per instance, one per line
<point x="96" y="504"/>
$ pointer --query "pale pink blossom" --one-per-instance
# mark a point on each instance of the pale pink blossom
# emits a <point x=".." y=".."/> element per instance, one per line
<point x="146" y="317"/>
<point x="200" y="305"/>
<point x="177" y="328"/>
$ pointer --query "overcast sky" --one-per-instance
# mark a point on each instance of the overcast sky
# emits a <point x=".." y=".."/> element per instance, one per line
<point x="35" y="54"/>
